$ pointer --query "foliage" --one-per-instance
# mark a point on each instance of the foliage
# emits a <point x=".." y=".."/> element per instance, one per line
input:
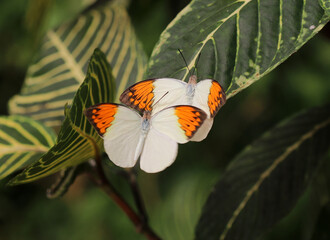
<point x="63" y="60"/>
<point x="77" y="140"/>
<point x="239" y="42"/>
<point x="22" y="142"/>
<point x="264" y="172"/>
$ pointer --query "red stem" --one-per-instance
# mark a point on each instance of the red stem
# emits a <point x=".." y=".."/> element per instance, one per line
<point x="140" y="225"/>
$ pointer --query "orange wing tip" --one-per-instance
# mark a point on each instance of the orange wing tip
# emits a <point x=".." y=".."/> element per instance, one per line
<point x="139" y="96"/>
<point x="216" y="98"/>
<point x="190" y="119"/>
<point x="101" y="116"/>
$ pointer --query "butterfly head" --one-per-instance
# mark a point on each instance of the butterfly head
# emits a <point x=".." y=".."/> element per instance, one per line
<point x="193" y="77"/>
<point x="147" y="115"/>
<point x="192" y="80"/>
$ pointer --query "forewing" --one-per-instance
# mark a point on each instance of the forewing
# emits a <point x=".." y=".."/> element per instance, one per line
<point x="143" y="95"/>
<point x="169" y="92"/>
<point x="101" y="116"/>
<point x="209" y="96"/>
<point x="139" y="96"/>
<point x="180" y="122"/>
<point x="122" y="133"/>
<point x="203" y="131"/>
<point x="158" y="153"/>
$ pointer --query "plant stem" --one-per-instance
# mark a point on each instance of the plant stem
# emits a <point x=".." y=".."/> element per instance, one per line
<point x="131" y="176"/>
<point x="140" y="224"/>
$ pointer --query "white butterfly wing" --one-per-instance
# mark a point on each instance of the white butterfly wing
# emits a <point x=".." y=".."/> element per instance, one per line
<point x="167" y="123"/>
<point x="170" y="126"/>
<point x="171" y="92"/>
<point x="180" y="122"/>
<point x="145" y="94"/>
<point x="158" y="153"/>
<point x="123" y="140"/>
<point x="203" y="131"/>
<point x="209" y="96"/>
<point x="201" y="97"/>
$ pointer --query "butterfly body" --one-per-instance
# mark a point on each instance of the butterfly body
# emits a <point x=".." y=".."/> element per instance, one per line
<point x="146" y="122"/>
<point x="190" y="90"/>
<point x="154" y="138"/>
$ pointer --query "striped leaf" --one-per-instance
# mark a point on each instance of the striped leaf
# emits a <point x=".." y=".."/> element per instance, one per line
<point x="264" y="182"/>
<point x="63" y="182"/>
<point x="60" y="67"/>
<point x="239" y="41"/>
<point x="22" y="141"/>
<point x="77" y="140"/>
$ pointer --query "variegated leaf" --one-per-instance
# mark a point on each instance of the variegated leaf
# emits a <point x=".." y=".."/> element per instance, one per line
<point x="325" y="4"/>
<point x="64" y="180"/>
<point x="239" y="40"/>
<point x="263" y="183"/>
<point x="22" y="141"/>
<point x="77" y="140"/>
<point x="60" y="67"/>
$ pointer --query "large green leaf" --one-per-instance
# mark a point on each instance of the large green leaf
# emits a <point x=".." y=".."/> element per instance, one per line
<point x="22" y="141"/>
<point x="64" y="180"/>
<point x="77" y="140"/>
<point x="177" y="215"/>
<point x="325" y="4"/>
<point x="239" y="41"/>
<point x="60" y="67"/>
<point x="264" y="182"/>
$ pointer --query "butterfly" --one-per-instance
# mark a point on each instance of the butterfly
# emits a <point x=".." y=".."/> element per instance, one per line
<point x="154" y="138"/>
<point x="207" y="95"/>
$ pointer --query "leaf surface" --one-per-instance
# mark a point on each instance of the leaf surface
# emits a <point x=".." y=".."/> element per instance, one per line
<point x="325" y="4"/>
<point x="63" y="182"/>
<point x="239" y="41"/>
<point x="60" y="67"/>
<point x="77" y="140"/>
<point x="264" y="182"/>
<point x="22" y="141"/>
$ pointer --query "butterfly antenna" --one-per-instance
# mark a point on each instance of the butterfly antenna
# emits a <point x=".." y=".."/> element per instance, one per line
<point x="184" y="60"/>
<point x="161" y="98"/>
<point x="197" y="61"/>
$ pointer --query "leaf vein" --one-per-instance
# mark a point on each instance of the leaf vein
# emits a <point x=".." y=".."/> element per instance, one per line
<point x="268" y="171"/>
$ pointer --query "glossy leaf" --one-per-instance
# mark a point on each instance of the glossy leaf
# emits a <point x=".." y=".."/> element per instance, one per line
<point x="77" y="140"/>
<point x="63" y="183"/>
<point x="177" y="216"/>
<point x="239" y="41"/>
<point x="22" y="141"/>
<point x="264" y="182"/>
<point x="60" y="67"/>
<point x="325" y="4"/>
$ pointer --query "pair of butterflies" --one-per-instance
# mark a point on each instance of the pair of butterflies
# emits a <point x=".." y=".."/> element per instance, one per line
<point x="173" y="112"/>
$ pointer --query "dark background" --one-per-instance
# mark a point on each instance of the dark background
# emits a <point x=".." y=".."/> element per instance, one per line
<point x="175" y="196"/>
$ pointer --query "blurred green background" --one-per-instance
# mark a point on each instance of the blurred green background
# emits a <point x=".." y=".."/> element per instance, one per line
<point x="173" y="197"/>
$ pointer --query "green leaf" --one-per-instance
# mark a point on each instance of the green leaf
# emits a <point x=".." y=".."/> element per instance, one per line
<point x="77" y="140"/>
<point x="60" y="67"/>
<point x="325" y="4"/>
<point x="176" y="217"/>
<point x="22" y="141"/>
<point x="239" y="41"/>
<point x="264" y="182"/>
<point x="63" y="182"/>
